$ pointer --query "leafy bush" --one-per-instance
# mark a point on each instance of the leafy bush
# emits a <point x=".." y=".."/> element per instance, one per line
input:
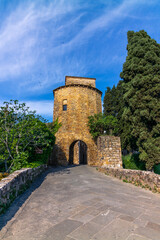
<point x="157" y="168"/>
<point x="20" y="161"/>
<point x="100" y="125"/>
<point x="43" y="158"/>
<point x="34" y="164"/>
<point x="21" y="133"/>
<point x="133" y="162"/>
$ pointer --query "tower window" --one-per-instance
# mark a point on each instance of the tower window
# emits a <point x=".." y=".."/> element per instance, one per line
<point x="65" y="105"/>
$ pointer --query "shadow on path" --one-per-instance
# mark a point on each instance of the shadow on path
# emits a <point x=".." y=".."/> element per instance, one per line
<point x="20" y="200"/>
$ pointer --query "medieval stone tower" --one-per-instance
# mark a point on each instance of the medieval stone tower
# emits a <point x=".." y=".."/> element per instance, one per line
<point x="73" y="103"/>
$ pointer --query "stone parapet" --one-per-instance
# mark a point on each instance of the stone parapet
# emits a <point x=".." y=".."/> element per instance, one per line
<point x="109" y="151"/>
<point x="16" y="183"/>
<point x="145" y="179"/>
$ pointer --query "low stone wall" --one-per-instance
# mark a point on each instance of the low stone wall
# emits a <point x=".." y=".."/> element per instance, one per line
<point x="16" y="183"/>
<point x="144" y="179"/>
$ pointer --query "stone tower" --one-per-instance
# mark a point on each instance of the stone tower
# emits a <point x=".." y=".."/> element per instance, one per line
<point x="73" y="103"/>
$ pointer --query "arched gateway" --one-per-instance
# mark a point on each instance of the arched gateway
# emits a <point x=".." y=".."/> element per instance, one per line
<point x="73" y="104"/>
<point x="78" y="152"/>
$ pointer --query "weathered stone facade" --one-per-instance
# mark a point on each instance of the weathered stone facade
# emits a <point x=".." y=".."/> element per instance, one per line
<point x="73" y="104"/>
<point x="109" y="151"/>
<point x="80" y="80"/>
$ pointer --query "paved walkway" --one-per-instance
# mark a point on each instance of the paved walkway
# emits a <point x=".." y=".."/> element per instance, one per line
<point x="79" y="203"/>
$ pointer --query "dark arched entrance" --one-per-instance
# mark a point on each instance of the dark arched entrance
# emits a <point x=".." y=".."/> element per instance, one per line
<point x="78" y="152"/>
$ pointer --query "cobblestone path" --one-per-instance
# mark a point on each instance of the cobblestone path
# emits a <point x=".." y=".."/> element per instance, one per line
<point x="79" y="203"/>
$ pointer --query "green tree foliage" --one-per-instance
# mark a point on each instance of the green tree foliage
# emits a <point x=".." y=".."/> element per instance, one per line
<point x="132" y="162"/>
<point x="100" y="125"/>
<point x="114" y="105"/>
<point x="54" y="126"/>
<point x="21" y="133"/>
<point x="141" y="89"/>
<point x="107" y="102"/>
<point x="111" y="101"/>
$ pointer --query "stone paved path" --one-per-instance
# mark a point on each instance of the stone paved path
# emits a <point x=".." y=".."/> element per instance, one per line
<point x="79" y="203"/>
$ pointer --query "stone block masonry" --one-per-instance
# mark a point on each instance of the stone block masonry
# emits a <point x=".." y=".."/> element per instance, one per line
<point x="144" y="179"/>
<point x="73" y="104"/>
<point x="80" y="80"/>
<point x="109" y="151"/>
<point x="16" y="183"/>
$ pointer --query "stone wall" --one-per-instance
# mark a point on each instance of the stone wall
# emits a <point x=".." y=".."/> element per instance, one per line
<point x="109" y="151"/>
<point x="16" y="183"/>
<point x="144" y="179"/>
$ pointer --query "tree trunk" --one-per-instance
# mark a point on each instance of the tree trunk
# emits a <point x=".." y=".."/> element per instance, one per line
<point x="17" y="150"/>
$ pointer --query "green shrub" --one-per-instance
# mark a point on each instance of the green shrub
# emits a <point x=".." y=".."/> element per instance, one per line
<point x="133" y="162"/>
<point x="20" y="161"/>
<point x="157" y="168"/>
<point x="100" y="124"/>
<point x="34" y="164"/>
<point x="34" y="157"/>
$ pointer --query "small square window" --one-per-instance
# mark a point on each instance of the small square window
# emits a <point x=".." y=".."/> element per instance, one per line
<point x="65" y="107"/>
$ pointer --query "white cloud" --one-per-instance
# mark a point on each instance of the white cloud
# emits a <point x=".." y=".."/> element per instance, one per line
<point x="43" y="108"/>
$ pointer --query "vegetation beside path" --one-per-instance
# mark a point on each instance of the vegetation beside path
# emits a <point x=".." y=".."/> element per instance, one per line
<point x="26" y="139"/>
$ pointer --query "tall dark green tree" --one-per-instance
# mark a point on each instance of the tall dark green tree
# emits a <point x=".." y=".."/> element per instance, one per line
<point x="114" y="105"/>
<point x="107" y="102"/>
<point x="141" y="86"/>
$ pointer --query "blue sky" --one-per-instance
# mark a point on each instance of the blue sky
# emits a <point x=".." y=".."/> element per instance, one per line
<point x="42" y="41"/>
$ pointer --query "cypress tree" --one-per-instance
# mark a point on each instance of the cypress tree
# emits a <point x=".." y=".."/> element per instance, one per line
<point x="110" y="101"/>
<point x="141" y="86"/>
<point x="107" y="102"/>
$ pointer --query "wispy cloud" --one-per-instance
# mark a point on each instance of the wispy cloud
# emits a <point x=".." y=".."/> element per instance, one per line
<point x="105" y="20"/>
<point x="42" y="42"/>
<point x="21" y="34"/>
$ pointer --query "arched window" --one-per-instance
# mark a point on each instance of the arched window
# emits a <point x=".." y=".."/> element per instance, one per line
<point x="64" y="105"/>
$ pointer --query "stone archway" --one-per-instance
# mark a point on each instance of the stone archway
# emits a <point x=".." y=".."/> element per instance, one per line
<point x="78" y="152"/>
